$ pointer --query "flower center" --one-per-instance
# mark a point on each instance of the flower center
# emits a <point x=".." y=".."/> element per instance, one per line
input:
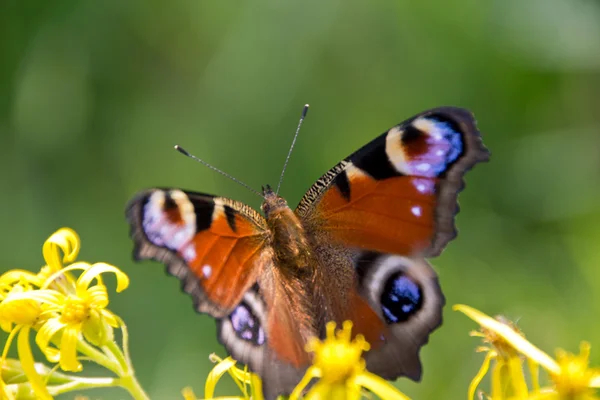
<point x="338" y="357"/>
<point x="74" y="311"/>
<point x="574" y="377"/>
<point x="338" y="361"/>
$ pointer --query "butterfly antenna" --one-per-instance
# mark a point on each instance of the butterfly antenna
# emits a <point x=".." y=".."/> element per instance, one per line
<point x="287" y="159"/>
<point x="225" y="174"/>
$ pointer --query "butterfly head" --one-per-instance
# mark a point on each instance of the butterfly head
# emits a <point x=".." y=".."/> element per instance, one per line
<point x="273" y="202"/>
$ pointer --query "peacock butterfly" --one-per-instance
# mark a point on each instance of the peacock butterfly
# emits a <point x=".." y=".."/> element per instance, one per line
<point x="353" y="249"/>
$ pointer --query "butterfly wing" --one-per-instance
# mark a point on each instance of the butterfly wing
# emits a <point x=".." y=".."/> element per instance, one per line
<point x="398" y="193"/>
<point x="217" y="247"/>
<point x="373" y="219"/>
<point x="405" y="295"/>
<point x="250" y="337"/>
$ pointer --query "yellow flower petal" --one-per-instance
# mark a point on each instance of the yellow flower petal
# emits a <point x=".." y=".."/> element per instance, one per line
<point x="517" y="377"/>
<point x="6" y="326"/>
<point x="99" y="268"/>
<point x="19" y="310"/>
<point x="45" y="335"/>
<point x="575" y="376"/>
<point x="256" y="387"/>
<point x="498" y="379"/>
<point x="64" y="240"/>
<point x="17" y="275"/>
<point x="97" y="296"/>
<point x="68" y="348"/>
<point x="534" y="373"/>
<point x="215" y="374"/>
<point x="42" y="296"/>
<point x="311" y="372"/>
<point x="326" y="391"/>
<point x="518" y="342"/>
<point x="479" y="377"/>
<point x="66" y="272"/>
<point x="110" y="318"/>
<point x="379" y="386"/>
<point x="188" y="394"/>
<point x="96" y="330"/>
<point x="37" y="384"/>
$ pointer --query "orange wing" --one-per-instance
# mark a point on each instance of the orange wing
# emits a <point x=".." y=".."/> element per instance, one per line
<point x="398" y="193"/>
<point x="216" y="246"/>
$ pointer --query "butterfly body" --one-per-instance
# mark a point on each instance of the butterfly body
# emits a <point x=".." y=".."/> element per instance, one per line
<point x="288" y="238"/>
<point x="353" y="249"/>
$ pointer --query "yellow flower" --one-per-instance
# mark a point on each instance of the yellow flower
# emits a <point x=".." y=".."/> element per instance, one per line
<point x="81" y="312"/>
<point x="82" y="309"/>
<point x="249" y="383"/>
<point x="17" y="316"/>
<point x="570" y="374"/>
<point x="58" y="306"/>
<point x="337" y="364"/>
<point x="575" y="380"/>
<point x="341" y="370"/>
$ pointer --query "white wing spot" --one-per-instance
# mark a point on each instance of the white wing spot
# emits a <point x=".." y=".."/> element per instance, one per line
<point x="423" y="167"/>
<point x="424" y="186"/>
<point x="159" y="228"/>
<point x="416" y="210"/>
<point x="206" y="271"/>
<point x="189" y="253"/>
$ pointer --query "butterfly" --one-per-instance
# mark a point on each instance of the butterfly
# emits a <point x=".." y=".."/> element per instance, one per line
<point x="354" y="248"/>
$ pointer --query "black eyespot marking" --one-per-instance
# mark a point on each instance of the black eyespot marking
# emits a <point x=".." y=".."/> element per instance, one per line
<point x="401" y="298"/>
<point x="343" y="185"/>
<point x="411" y="134"/>
<point x="246" y="325"/>
<point x="230" y="214"/>
<point x="373" y="160"/>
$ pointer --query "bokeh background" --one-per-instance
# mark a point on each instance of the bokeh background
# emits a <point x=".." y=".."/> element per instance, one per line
<point x="93" y="95"/>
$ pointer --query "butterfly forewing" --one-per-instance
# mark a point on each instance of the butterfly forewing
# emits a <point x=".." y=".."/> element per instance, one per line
<point x="398" y="193"/>
<point x="216" y="246"/>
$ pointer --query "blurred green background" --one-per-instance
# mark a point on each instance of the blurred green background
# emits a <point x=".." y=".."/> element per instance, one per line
<point x="94" y="94"/>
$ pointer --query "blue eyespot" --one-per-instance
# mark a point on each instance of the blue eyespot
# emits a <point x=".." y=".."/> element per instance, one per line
<point x="401" y="298"/>
<point x="247" y="325"/>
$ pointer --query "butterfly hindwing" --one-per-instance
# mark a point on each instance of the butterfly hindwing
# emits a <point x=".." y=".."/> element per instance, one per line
<point x="214" y="245"/>
<point x="398" y="193"/>
<point x="248" y="334"/>
<point x="405" y="294"/>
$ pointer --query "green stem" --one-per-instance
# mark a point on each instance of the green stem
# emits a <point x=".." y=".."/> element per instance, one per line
<point x="125" y="340"/>
<point x="131" y="384"/>
<point x="80" y="383"/>
<point x="112" y="350"/>
<point x="127" y="379"/>
<point x="99" y="357"/>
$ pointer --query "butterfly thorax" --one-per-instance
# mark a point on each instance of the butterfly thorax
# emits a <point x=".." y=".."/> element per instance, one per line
<point x="289" y="241"/>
